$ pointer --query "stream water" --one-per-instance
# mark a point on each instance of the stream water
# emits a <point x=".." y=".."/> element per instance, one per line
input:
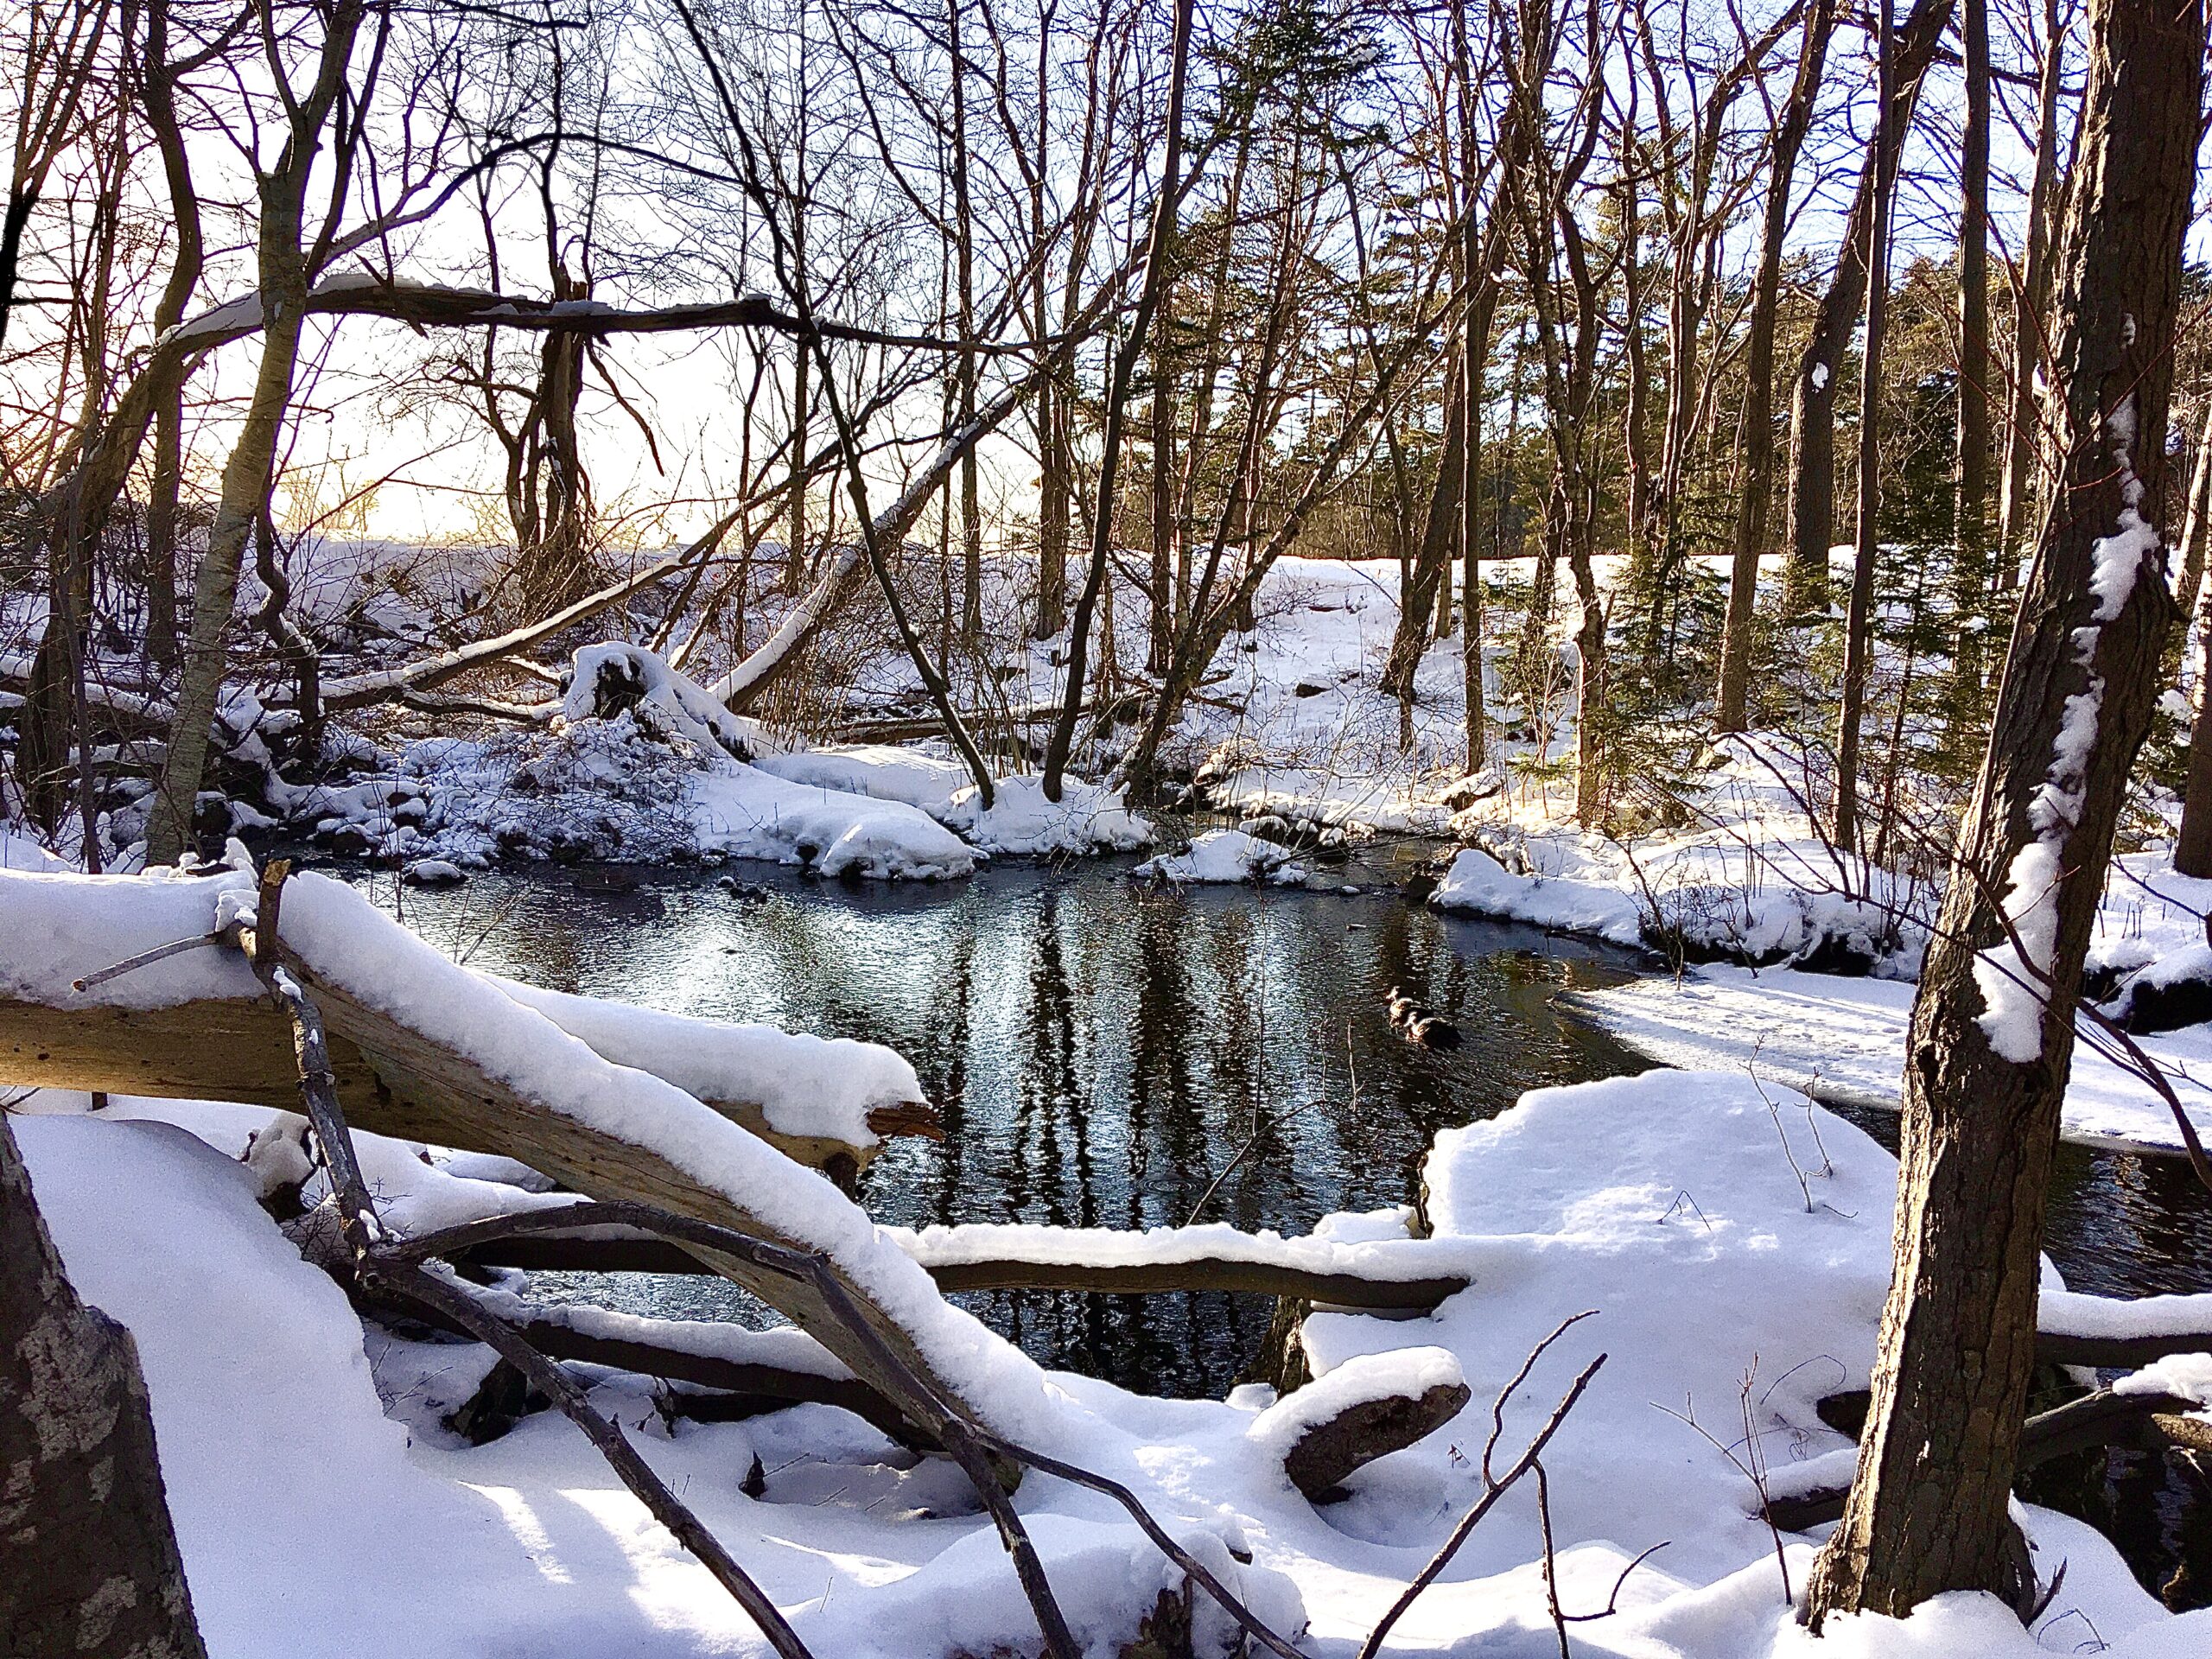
<point x="1103" y="1051"/>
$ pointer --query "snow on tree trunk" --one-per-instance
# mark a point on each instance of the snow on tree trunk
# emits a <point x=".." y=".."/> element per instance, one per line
<point x="1993" y="1034"/>
<point x="91" y="1563"/>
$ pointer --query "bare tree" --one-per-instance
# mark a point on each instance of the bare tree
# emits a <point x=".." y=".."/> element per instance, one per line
<point x="1756" y="499"/>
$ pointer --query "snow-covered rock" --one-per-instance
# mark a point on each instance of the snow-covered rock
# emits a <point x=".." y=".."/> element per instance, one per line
<point x="1225" y="856"/>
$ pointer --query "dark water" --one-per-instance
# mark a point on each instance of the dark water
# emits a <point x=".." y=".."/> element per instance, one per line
<point x="1103" y="1051"/>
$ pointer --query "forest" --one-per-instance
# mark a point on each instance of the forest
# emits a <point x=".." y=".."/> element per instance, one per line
<point x="1105" y="829"/>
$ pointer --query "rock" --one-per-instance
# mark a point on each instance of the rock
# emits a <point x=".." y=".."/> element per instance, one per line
<point x="2172" y="992"/>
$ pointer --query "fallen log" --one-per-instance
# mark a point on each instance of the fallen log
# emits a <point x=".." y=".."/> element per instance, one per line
<point x="2105" y="1417"/>
<point x="240" y="1049"/>
<point x="1408" y="1296"/>
<point x="744" y="1387"/>
<point x="1163" y="1276"/>
<point x="492" y="1073"/>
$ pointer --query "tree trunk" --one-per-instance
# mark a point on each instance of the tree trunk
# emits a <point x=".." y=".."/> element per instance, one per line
<point x="283" y="277"/>
<point x="1971" y="554"/>
<point x="1858" y="635"/>
<point x="1993" y="1031"/>
<point x="1812" y="435"/>
<point x="1054" y="494"/>
<point x="92" y="1567"/>
<point x="971" y="509"/>
<point x="1162" y="236"/>
<point x="1418" y="598"/>
<point x="1751" y="508"/>
<point x="1161" y="640"/>
<point x="214" y="588"/>
<point x="2193" y="845"/>
<point x="2023" y="443"/>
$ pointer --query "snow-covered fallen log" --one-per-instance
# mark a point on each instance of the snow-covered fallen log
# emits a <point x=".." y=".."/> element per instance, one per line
<point x="1369" y="1406"/>
<point x="820" y="1103"/>
<point x="451" y="1058"/>
<point x="1409" y="1274"/>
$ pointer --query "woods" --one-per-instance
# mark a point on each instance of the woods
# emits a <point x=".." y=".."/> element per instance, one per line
<point x="1663" y="531"/>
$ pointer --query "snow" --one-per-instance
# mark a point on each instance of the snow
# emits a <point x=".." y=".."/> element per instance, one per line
<point x="1019" y="822"/>
<point x="1388" y="1258"/>
<point x="804" y="1085"/>
<point x="1746" y="878"/>
<point x="2071" y="1314"/>
<point x="63" y="926"/>
<point x="1087" y="818"/>
<point x="19" y="852"/>
<point x="613" y="789"/>
<point x="2187" y="1376"/>
<point x="264" y="1410"/>
<point x="2010" y="975"/>
<point x="1478" y="884"/>
<point x="262" y="1396"/>
<point x="1225" y="856"/>
<point x="1822" y="1032"/>
<point x="669" y="701"/>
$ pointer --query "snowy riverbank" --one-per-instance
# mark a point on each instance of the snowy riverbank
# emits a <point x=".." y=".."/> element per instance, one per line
<point x="1664" y="1203"/>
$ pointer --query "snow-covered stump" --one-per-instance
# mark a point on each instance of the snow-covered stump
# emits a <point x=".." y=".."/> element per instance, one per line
<point x="1368" y="1407"/>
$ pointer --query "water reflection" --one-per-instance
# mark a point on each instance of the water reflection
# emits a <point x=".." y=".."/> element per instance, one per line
<point x="1103" y="1051"/>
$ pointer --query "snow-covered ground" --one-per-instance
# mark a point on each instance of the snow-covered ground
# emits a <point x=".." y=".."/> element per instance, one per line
<point x="1821" y="1031"/>
<point x="1720" y="1282"/>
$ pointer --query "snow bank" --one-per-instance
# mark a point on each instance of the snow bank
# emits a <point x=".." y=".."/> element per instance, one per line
<point x="1021" y="821"/>
<point x="1478" y="884"/>
<point x="1224" y="855"/>
<point x="1819" y="1033"/>
<point x="1087" y="818"/>
<point x="614" y="789"/>
<point x="19" y="852"/>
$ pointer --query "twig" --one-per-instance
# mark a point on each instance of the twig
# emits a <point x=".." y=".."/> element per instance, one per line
<point x="419" y="1285"/>
<point x="144" y="958"/>
<point x="1494" y="1488"/>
